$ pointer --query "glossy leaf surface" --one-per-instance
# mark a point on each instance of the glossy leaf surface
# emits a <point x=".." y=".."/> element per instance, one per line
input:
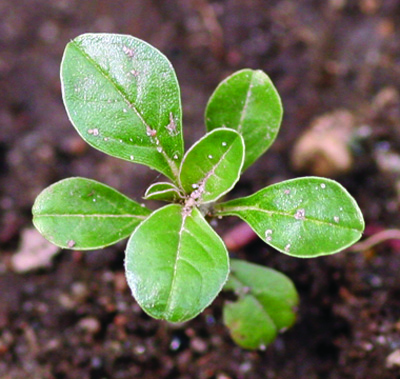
<point x="122" y="96"/>
<point x="212" y="166"/>
<point x="163" y="191"/>
<point x="83" y="214"/>
<point x="248" y="102"/>
<point x="304" y="217"/>
<point x="266" y="304"/>
<point x="175" y="264"/>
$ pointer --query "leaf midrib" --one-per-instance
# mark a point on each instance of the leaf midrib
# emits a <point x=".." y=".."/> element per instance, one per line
<point x="177" y="258"/>
<point x="93" y="215"/>
<point x="120" y="90"/>
<point x="246" y="103"/>
<point x="280" y="213"/>
<point x="211" y="173"/>
<point x="124" y="95"/>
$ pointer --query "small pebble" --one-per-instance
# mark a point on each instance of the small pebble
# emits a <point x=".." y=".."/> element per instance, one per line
<point x="223" y="376"/>
<point x="198" y="345"/>
<point x="139" y="349"/>
<point x="175" y="344"/>
<point x="120" y="283"/>
<point x="90" y="325"/>
<point x="393" y="359"/>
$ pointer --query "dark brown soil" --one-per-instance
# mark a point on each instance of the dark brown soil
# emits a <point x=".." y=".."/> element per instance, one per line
<point x="77" y="318"/>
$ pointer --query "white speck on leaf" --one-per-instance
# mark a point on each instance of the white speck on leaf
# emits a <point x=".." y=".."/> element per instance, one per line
<point x="336" y="219"/>
<point x="129" y="52"/>
<point x="287" y="247"/>
<point x="286" y="192"/>
<point x="106" y="138"/>
<point x="323" y="185"/>
<point x="125" y="110"/>
<point x="175" y="156"/>
<point x="151" y="132"/>
<point x="223" y="143"/>
<point x="300" y="214"/>
<point x="210" y="156"/>
<point x="159" y="149"/>
<point x="94" y="132"/>
<point x="71" y="243"/>
<point x="131" y="157"/>
<point x="268" y="236"/>
<point x="195" y="186"/>
<point x="171" y="127"/>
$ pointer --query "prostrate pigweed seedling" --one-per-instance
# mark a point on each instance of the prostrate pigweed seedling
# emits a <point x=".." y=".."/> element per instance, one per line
<point x="123" y="98"/>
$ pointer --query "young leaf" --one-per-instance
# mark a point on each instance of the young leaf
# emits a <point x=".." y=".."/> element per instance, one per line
<point x="266" y="304"/>
<point x="175" y="264"/>
<point x="304" y="217"/>
<point x="248" y="102"/>
<point x="163" y="191"/>
<point x="123" y="98"/>
<point x="211" y="167"/>
<point x="83" y="214"/>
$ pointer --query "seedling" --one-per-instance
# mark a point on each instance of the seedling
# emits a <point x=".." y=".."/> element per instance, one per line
<point x="123" y="98"/>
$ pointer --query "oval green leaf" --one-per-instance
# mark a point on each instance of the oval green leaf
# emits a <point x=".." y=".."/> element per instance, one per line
<point x="175" y="264"/>
<point x="266" y="304"/>
<point x="212" y="166"/>
<point x="304" y="217"/>
<point x="82" y="214"/>
<point x="163" y="191"/>
<point x="248" y="102"/>
<point x="123" y="98"/>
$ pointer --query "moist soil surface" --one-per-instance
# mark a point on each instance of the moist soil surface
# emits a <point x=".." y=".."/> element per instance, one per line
<point x="76" y="318"/>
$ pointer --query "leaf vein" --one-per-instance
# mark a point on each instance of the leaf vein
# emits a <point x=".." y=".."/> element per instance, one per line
<point x="101" y="71"/>
<point x="285" y="214"/>
<point x="246" y="104"/>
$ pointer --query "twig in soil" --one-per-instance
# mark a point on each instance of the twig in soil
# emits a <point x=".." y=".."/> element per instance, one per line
<point x="212" y="25"/>
<point x="239" y="236"/>
<point x="385" y="235"/>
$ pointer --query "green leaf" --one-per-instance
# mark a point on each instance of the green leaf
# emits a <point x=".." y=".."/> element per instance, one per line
<point x="266" y="304"/>
<point x="304" y="217"/>
<point x="211" y="167"/>
<point x="248" y="102"/>
<point x="175" y="264"/>
<point x="83" y="214"/>
<point x="163" y="191"/>
<point x="123" y="98"/>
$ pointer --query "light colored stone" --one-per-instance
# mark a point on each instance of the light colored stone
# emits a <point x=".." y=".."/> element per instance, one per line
<point x="34" y="252"/>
